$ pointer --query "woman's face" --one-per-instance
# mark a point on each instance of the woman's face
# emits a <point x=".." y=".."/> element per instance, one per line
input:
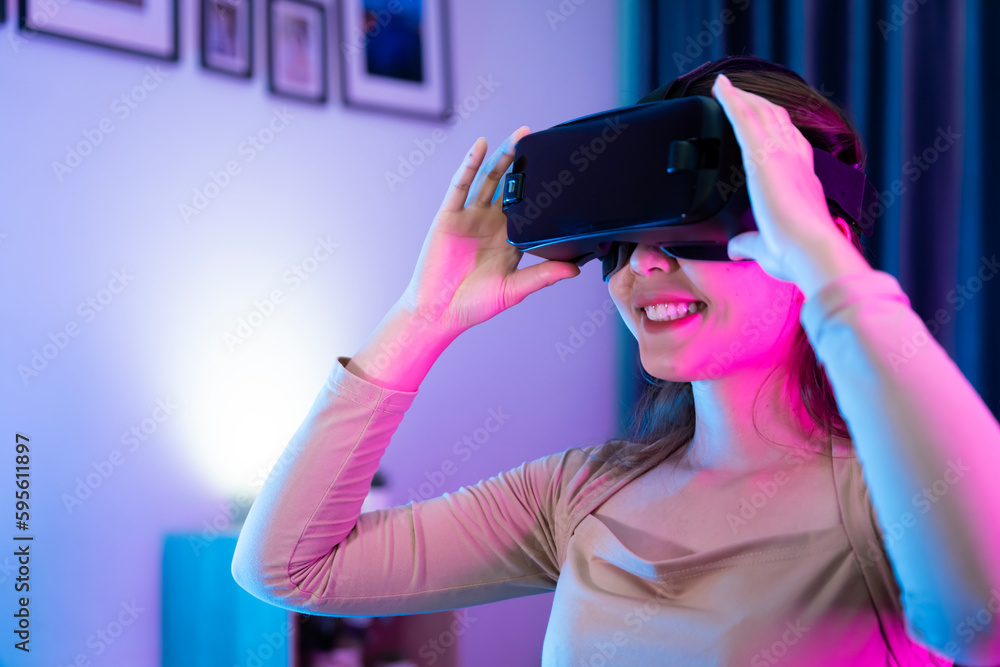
<point x="744" y="321"/>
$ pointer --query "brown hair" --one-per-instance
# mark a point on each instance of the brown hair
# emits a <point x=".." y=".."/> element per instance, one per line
<point x="663" y="420"/>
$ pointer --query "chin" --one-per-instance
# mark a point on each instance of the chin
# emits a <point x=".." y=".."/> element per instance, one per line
<point x="670" y="373"/>
<point x="690" y="369"/>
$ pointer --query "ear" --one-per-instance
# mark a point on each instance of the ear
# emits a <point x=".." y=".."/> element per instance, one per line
<point x="845" y="228"/>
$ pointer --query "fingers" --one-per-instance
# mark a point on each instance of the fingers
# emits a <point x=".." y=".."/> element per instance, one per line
<point x="750" y="103"/>
<point x="484" y="187"/>
<point x="461" y="182"/>
<point x="738" y="110"/>
<point x="748" y="107"/>
<point x="532" y="278"/>
<point x="475" y="183"/>
<point x="757" y="122"/>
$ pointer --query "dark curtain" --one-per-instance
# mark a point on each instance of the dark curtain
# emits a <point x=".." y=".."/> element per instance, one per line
<point x="919" y="79"/>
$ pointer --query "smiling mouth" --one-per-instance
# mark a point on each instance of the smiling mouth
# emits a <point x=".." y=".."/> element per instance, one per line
<point x="672" y="312"/>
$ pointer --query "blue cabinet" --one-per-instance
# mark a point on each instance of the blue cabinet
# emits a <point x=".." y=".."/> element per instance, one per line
<point x="208" y="620"/>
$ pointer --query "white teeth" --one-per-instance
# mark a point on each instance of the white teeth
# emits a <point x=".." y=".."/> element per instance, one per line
<point x="672" y="311"/>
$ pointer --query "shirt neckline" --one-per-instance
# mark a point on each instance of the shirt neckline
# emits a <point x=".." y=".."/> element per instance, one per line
<point x="604" y="544"/>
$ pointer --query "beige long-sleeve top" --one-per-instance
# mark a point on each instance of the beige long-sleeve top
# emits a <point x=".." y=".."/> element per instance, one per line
<point x="821" y="597"/>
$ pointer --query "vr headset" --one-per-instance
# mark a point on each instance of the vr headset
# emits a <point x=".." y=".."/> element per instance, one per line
<point x="666" y="173"/>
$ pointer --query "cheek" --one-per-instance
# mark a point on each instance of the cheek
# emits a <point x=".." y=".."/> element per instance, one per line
<point x="618" y="292"/>
<point x="759" y="325"/>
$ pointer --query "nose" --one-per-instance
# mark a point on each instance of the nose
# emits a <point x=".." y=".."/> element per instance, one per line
<point x="646" y="257"/>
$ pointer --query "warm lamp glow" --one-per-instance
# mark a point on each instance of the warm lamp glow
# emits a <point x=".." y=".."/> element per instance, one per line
<point x="245" y="408"/>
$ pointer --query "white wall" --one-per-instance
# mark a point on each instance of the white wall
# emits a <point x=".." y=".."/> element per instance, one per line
<point x="161" y="338"/>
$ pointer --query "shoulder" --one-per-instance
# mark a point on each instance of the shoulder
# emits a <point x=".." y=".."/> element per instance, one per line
<point x="572" y="483"/>
<point x="562" y="483"/>
<point x="578" y="473"/>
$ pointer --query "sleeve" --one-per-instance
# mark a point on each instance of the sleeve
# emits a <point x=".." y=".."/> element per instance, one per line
<point x="877" y="569"/>
<point x="918" y="427"/>
<point x="306" y="547"/>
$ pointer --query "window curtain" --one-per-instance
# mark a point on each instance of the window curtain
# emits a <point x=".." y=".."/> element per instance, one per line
<point x="921" y="82"/>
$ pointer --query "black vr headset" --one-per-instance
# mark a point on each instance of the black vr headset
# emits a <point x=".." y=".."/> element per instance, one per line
<point x="665" y="172"/>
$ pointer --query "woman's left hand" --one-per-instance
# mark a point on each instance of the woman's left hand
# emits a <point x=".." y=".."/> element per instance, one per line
<point x="789" y="206"/>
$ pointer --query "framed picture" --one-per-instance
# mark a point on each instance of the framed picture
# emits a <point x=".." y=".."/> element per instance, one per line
<point x="296" y="49"/>
<point x="394" y="56"/>
<point x="227" y="36"/>
<point x="144" y="27"/>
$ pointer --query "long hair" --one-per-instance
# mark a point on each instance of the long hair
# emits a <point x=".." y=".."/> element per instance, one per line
<point x="663" y="420"/>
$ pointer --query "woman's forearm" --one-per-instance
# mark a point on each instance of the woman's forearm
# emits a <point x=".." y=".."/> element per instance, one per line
<point x="930" y="450"/>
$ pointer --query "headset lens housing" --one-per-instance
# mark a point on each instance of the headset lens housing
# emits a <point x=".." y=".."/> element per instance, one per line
<point x="620" y="253"/>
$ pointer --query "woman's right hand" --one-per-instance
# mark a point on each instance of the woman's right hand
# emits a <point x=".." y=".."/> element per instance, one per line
<point x="467" y="271"/>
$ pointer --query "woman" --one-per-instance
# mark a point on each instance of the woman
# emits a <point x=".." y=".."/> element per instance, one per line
<point x="735" y="525"/>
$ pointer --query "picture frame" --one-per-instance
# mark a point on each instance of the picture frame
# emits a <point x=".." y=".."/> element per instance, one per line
<point x="142" y="27"/>
<point x="227" y="36"/>
<point x="297" y="50"/>
<point x="394" y="57"/>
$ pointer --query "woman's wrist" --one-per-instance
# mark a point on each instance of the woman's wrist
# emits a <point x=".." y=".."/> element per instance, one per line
<point x="825" y="258"/>
<point x="400" y="352"/>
